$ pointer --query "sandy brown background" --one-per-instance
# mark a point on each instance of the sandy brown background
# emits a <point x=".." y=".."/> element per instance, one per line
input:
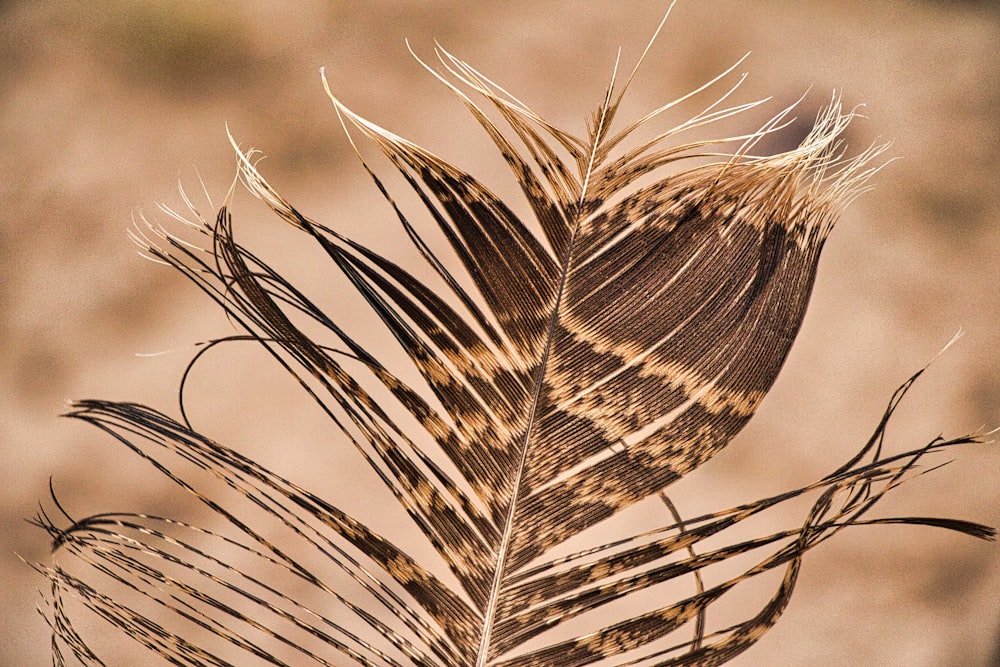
<point x="103" y="105"/>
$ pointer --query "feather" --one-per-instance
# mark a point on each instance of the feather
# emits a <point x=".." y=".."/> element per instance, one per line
<point x="565" y="375"/>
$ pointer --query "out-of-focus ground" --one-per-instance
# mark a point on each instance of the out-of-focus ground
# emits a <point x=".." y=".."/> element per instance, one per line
<point x="103" y="105"/>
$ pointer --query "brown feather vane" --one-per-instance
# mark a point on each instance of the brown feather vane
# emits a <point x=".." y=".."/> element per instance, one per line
<point x="565" y="363"/>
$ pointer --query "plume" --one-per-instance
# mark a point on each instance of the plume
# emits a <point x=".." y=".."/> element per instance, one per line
<point x="561" y="365"/>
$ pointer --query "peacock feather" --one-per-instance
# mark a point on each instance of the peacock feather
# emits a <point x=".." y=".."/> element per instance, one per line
<point x="564" y="364"/>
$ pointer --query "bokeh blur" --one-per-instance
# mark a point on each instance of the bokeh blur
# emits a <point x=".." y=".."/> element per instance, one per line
<point x="105" y="105"/>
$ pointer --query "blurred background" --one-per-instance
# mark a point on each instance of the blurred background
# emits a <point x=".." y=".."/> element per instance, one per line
<point x="106" y="105"/>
